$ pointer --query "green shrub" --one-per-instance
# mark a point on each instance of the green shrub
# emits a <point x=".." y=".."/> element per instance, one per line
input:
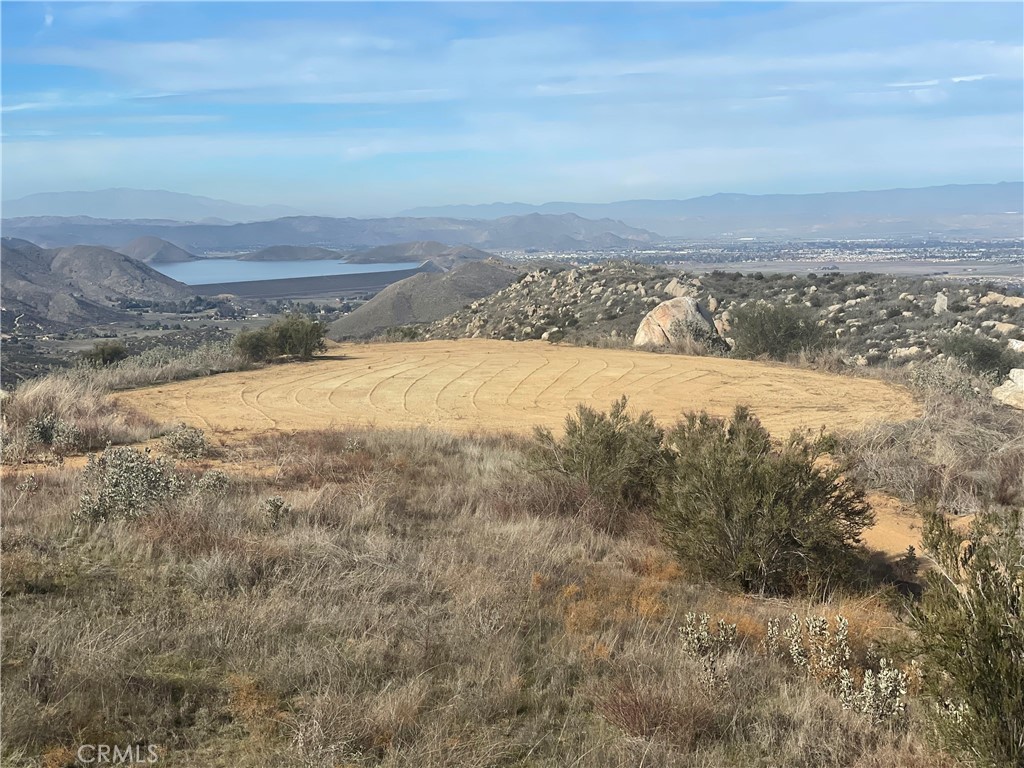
<point x="255" y="346"/>
<point x="123" y="484"/>
<point x="294" y="336"/>
<point x="617" y="457"/>
<point x="775" y="330"/>
<point x="53" y="432"/>
<point x="402" y="333"/>
<point x="970" y="637"/>
<point x="984" y="356"/>
<point x="105" y="353"/>
<point x="298" y="336"/>
<point x="739" y="511"/>
<point x="186" y="442"/>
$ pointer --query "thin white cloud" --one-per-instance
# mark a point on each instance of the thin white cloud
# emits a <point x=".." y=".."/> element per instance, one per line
<point x="969" y="78"/>
<point x="918" y="84"/>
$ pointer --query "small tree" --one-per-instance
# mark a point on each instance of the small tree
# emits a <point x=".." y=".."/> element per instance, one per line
<point x="970" y="636"/>
<point x="105" y="353"/>
<point x="295" y="335"/>
<point x="298" y="336"/>
<point x="775" y="330"/>
<point x="737" y="510"/>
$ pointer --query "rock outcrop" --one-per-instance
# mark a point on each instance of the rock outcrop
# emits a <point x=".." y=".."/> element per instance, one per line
<point x="1011" y="392"/>
<point x="674" y="320"/>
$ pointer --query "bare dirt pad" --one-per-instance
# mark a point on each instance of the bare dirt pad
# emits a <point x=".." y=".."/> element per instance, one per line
<point x="484" y="385"/>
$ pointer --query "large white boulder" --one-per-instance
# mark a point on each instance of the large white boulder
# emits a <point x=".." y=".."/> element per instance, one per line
<point x="672" y="321"/>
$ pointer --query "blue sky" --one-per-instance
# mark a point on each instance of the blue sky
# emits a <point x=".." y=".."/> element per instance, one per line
<point x="360" y="109"/>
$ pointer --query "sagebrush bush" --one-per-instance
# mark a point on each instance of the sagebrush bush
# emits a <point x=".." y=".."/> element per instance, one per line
<point x="696" y="339"/>
<point x="185" y="442"/>
<point x="776" y="330"/>
<point x="124" y="483"/>
<point x="767" y="520"/>
<point x="970" y="636"/>
<point x="53" y="432"/>
<point x="616" y="456"/>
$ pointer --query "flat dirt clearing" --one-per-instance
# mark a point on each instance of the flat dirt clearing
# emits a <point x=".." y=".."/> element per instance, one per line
<point x="484" y="385"/>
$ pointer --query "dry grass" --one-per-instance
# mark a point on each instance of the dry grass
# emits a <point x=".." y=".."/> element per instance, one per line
<point x="78" y="401"/>
<point x="965" y="454"/>
<point x="85" y="416"/>
<point x="418" y="602"/>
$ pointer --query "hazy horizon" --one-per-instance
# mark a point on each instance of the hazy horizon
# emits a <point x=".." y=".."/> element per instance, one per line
<point x="358" y="110"/>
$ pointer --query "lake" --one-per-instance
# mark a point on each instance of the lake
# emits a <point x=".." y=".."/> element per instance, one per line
<point x="234" y="271"/>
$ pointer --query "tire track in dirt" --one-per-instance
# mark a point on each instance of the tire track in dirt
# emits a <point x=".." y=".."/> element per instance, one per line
<point x="482" y="384"/>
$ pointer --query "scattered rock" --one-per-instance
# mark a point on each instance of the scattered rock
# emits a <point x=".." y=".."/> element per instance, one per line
<point x="1011" y="392"/>
<point x="941" y="304"/>
<point x="677" y="289"/>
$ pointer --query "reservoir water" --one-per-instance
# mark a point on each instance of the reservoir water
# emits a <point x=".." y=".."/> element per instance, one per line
<point x="232" y="270"/>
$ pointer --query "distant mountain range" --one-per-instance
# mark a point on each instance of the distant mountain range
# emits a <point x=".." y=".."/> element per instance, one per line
<point x="76" y="286"/>
<point x="983" y="210"/>
<point x="562" y="232"/>
<point x="125" y="203"/>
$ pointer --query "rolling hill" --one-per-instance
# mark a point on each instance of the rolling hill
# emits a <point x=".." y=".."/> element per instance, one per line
<point x="153" y="250"/>
<point x="75" y="286"/>
<point x="290" y="253"/>
<point x="424" y="298"/>
<point x="444" y="256"/>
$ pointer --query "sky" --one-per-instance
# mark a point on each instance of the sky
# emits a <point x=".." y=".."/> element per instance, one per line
<point x="355" y="109"/>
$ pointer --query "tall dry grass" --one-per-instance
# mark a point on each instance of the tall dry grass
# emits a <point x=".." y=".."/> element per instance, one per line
<point x="965" y="452"/>
<point x="417" y="599"/>
<point x="71" y="411"/>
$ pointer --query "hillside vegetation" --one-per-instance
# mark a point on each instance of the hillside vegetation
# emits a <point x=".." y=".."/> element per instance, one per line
<point x="871" y="319"/>
<point x="424" y="298"/>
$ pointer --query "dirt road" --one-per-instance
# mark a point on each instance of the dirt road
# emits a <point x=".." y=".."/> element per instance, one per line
<point x="488" y="385"/>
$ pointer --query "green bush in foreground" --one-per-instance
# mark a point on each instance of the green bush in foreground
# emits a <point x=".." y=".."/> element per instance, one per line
<point x="294" y="336"/>
<point x="768" y="520"/>
<point x="616" y="456"/>
<point x="970" y="637"/>
<point x="776" y="330"/>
